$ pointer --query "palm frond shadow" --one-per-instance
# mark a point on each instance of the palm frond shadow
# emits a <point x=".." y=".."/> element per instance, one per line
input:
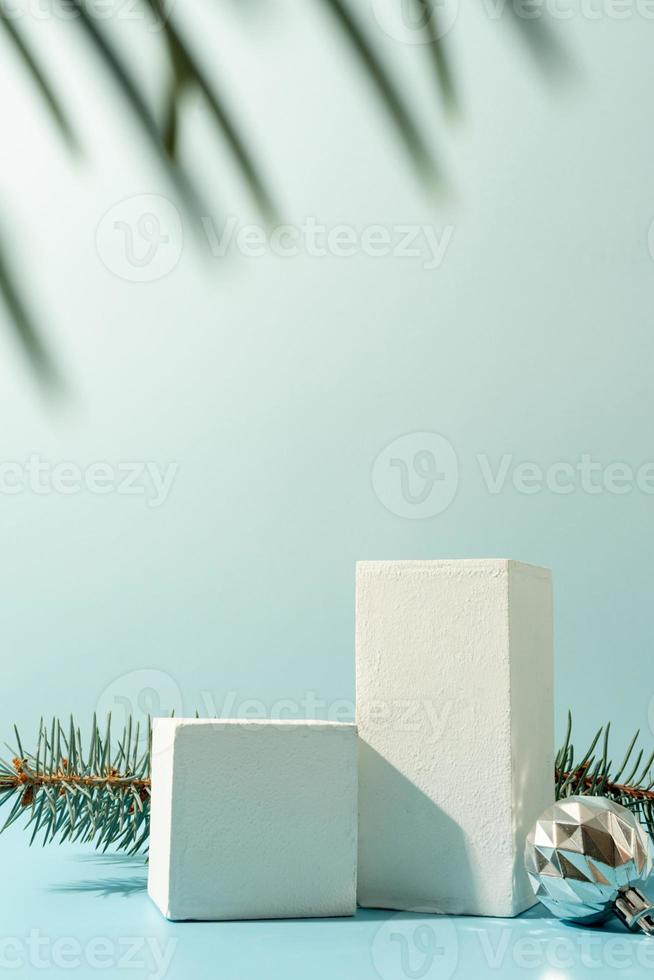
<point x="112" y="859"/>
<point x="103" y="887"/>
<point x="40" y="79"/>
<point x="186" y="75"/>
<point x="27" y="332"/>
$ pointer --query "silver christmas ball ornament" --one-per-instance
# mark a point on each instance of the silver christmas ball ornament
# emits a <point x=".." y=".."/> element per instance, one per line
<point x="584" y="857"/>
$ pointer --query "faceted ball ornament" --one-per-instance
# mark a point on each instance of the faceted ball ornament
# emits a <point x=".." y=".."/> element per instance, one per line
<point x="582" y="853"/>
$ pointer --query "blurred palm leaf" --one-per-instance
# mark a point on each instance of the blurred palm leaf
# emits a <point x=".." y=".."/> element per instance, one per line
<point x="407" y="129"/>
<point x="136" y="102"/>
<point x="537" y="34"/>
<point x="26" y="331"/>
<point x="186" y="75"/>
<point x="436" y="48"/>
<point x="39" y="78"/>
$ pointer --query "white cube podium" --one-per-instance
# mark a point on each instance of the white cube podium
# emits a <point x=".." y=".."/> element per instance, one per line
<point x="455" y="716"/>
<point x="253" y="819"/>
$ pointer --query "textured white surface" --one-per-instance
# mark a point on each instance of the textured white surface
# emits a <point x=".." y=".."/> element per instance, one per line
<point x="253" y="819"/>
<point x="455" y="715"/>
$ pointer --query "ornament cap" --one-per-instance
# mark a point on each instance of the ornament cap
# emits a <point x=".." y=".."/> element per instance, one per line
<point x="635" y="911"/>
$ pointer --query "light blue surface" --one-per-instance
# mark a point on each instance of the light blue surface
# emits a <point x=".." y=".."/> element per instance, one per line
<point x="63" y="911"/>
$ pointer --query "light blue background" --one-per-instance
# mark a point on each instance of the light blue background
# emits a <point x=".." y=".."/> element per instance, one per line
<point x="274" y="384"/>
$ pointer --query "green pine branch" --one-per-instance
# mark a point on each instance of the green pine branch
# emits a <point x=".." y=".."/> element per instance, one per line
<point x="593" y="774"/>
<point x="99" y="792"/>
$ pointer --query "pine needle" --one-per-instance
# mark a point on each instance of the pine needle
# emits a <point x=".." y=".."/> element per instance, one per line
<point x="99" y="793"/>
<point x="104" y="800"/>
<point x="581" y="779"/>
